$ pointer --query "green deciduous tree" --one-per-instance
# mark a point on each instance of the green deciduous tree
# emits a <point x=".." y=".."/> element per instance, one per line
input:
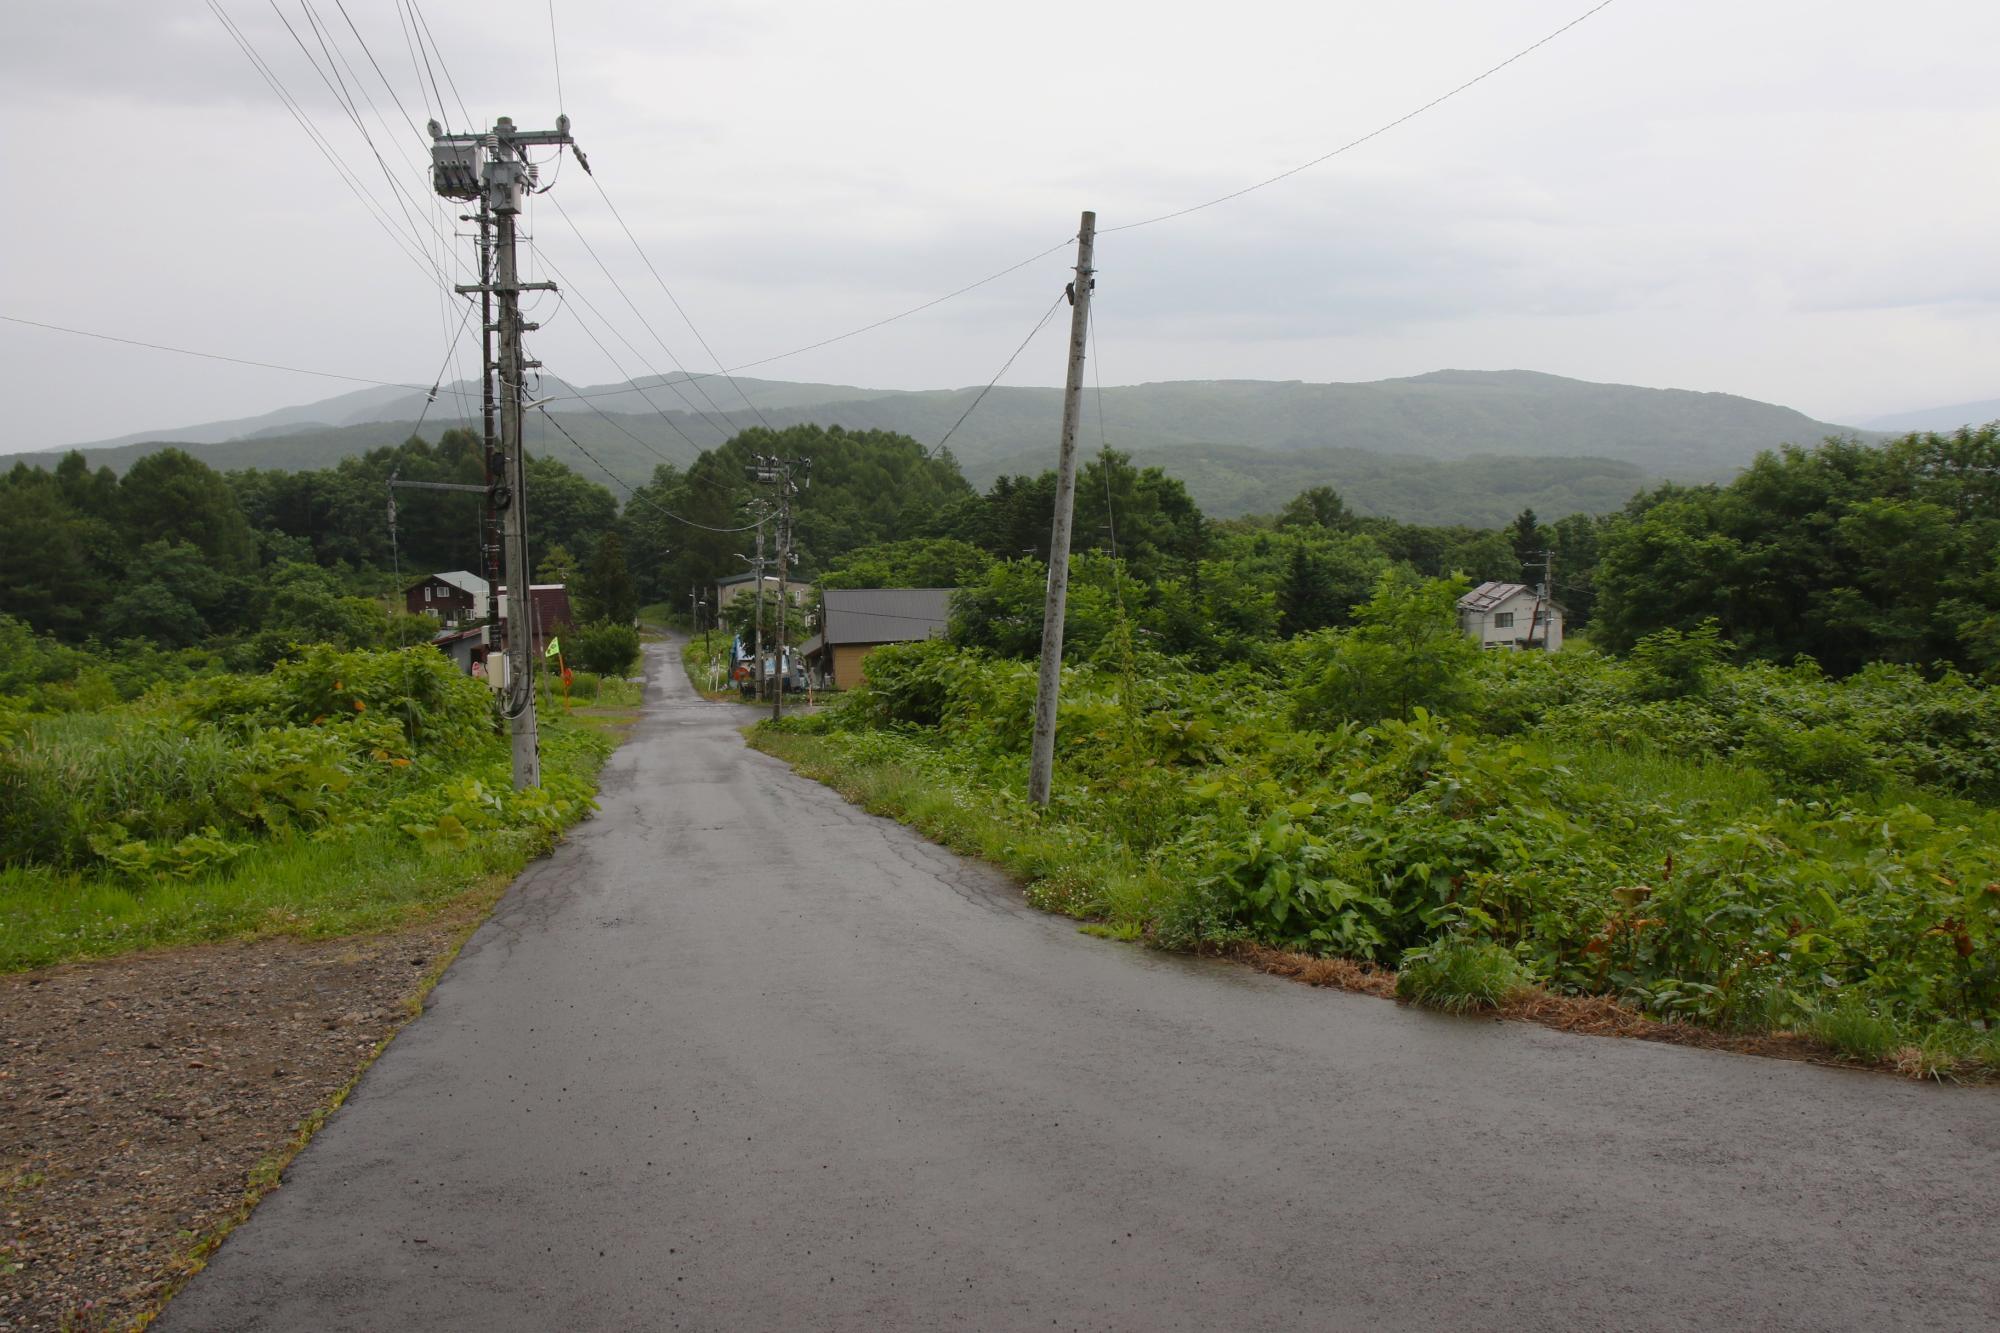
<point x="1404" y="652"/>
<point x="606" y="592"/>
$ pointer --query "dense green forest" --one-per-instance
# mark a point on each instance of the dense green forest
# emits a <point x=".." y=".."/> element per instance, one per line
<point x="1845" y="553"/>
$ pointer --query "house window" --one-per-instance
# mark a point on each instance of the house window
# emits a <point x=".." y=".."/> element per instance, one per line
<point x="1503" y="620"/>
<point x="1541" y="616"/>
<point x="427" y="592"/>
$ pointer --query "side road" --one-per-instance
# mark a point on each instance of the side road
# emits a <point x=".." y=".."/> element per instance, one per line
<point x="741" y="1056"/>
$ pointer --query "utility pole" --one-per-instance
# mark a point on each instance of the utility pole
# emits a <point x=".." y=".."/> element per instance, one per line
<point x="489" y="438"/>
<point x="494" y="169"/>
<point x="1041" y="765"/>
<point x="778" y="472"/>
<point x="1545" y="596"/>
<point x="757" y="564"/>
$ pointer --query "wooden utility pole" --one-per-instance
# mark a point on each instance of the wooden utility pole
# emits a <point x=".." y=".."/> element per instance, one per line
<point x="1041" y="769"/>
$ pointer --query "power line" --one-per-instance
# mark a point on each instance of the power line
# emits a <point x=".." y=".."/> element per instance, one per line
<point x="1103" y="442"/>
<point x="451" y="350"/>
<point x="217" y="356"/>
<point x="644" y="322"/>
<point x="556" y="51"/>
<point x="1039" y="325"/>
<point x="346" y="103"/>
<point x="630" y="491"/>
<point x="417" y="13"/>
<point x="390" y="87"/>
<point x="631" y="382"/>
<point x="685" y="319"/>
<point x="1374" y="133"/>
<point x="413" y="40"/>
<point x="325" y="146"/>
<point x="891" y="319"/>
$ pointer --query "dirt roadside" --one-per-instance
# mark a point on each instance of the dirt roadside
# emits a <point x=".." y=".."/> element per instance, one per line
<point x="147" y="1100"/>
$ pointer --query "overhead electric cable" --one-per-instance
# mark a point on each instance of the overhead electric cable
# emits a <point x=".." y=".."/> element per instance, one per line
<point x="631" y="383"/>
<point x="450" y="351"/>
<point x="630" y="490"/>
<point x="415" y="129"/>
<point x="414" y="40"/>
<point x="325" y="146"/>
<point x="647" y="324"/>
<point x="1372" y="134"/>
<point x="678" y="308"/>
<point x="417" y="12"/>
<point x="891" y="319"/>
<point x="1039" y="325"/>
<point x="556" y="51"/>
<point x="1103" y="441"/>
<point x="217" y="356"/>
<point x="346" y="103"/>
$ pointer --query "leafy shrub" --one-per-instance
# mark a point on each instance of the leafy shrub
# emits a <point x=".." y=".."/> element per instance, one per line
<point x="1405" y="652"/>
<point x="606" y="648"/>
<point x="1289" y="887"/>
<point x="1817" y="759"/>
<point x="908" y="684"/>
<point x="1460" y="973"/>
<point x="438" y="709"/>
<point x="1668" y="664"/>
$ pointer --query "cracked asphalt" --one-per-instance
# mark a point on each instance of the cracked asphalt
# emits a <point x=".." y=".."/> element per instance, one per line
<point x="739" y="1056"/>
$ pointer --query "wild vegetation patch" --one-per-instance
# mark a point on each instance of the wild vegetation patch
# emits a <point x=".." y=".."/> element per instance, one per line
<point x="339" y="791"/>
<point x="1749" y="848"/>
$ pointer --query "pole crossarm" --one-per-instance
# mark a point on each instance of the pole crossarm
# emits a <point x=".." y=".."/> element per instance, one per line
<point x="467" y="487"/>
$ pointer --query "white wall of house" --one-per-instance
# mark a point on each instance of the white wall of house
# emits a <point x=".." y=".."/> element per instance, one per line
<point x="1522" y="621"/>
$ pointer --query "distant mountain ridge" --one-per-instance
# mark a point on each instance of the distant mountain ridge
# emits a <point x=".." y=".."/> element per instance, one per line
<point x="1948" y="418"/>
<point x="1482" y="439"/>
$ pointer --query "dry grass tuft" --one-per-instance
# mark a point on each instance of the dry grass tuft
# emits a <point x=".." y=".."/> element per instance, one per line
<point x="1338" y="973"/>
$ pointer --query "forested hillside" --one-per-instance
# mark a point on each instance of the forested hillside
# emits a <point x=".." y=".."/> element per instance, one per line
<point x="1448" y="447"/>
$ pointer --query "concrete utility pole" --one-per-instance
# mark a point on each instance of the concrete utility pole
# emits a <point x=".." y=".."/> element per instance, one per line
<point x="778" y="472"/>
<point x="494" y="169"/>
<point x="1545" y="596"/>
<point x="757" y="564"/>
<point x="1041" y="766"/>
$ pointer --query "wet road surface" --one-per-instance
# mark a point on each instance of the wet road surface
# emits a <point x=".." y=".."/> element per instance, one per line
<point x="739" y="1056"/>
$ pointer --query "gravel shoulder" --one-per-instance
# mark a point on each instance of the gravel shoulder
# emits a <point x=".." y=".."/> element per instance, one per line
<point x="146" y="1101"/>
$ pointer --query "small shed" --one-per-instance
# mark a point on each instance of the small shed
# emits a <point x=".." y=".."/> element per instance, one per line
<point x="861" y="619"/>
<point x="463" y="646"/>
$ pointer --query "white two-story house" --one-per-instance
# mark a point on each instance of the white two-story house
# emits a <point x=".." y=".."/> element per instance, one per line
<point x="1511" y="615"/>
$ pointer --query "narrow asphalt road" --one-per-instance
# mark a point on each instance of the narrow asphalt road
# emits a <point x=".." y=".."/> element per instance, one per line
<point x="739" y="1056"/>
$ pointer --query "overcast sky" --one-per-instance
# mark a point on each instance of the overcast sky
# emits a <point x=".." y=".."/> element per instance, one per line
<point x="1792" y="200"/>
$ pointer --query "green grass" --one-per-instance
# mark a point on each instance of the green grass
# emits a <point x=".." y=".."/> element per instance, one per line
<point x="1725" y="788"/>
<point x="1066" y="871"/>
<point x="1459" y="975"/>
<point x="355" y="882"/>
<point x="1851" y="1029"/>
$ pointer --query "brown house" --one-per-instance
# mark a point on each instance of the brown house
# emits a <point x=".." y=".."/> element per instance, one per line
<point x="549" y="613"/>
<point x="861" y="619"/>
<point x="453" y="598"/>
